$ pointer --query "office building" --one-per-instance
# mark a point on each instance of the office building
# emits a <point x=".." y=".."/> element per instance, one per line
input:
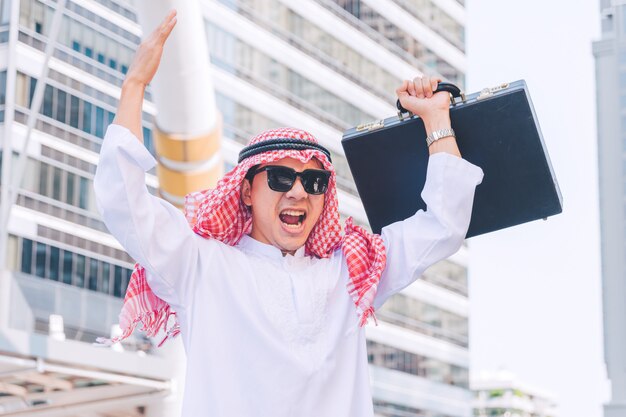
<point x="502" y="394"/>
<point x="610" y="56"/>
<point x="320" y="65"/>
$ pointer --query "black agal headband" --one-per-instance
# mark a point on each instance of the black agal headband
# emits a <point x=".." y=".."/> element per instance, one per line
<point x="280" y="144"/>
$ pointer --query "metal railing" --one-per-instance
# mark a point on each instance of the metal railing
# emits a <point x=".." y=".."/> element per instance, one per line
<point x="119" y="8"/>
<point x="311" y="50"/>
<point x="282" y="94"/>
<point x="76" y="59"/>
<point x="445" y="282"/>
<point x="60" y="130"/>
<point x="421" y="327"/>
<point x="86" y="314"/>
<point x="58" y="209"/>
<point x="373" y="34"/>
<point x="417" y="12"/>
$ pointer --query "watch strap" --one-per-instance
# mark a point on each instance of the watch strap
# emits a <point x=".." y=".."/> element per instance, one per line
<point x="439" y="134"/>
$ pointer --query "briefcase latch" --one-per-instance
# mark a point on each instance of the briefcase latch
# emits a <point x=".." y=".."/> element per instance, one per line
<point x="377" y="124"/>
<point x="488" y="92"/>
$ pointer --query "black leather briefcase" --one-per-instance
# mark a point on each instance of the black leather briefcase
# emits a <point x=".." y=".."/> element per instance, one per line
<point x="496" y="129"/>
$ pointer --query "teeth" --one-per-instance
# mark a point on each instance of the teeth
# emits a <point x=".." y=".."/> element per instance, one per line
<point x="292" y="226"/>
<point x="293" y="212"/>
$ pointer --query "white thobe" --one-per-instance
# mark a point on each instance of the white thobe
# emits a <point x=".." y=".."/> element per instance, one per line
<point x="267" y="334"/>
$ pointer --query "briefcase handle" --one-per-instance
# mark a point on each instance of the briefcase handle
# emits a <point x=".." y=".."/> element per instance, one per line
<point x="449" y="87"/>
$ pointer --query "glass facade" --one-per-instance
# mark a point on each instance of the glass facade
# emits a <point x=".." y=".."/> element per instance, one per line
<point x="448" y="275"/>
<point x="425" y="318"/>
<point x="62" y="187"/>
<point x="71" y="110"/>
<point x="310" y="38"/>
<point x="387" y="409"/>
<point x="436" y="19"/>
<point x="3" y="91"/>
<point x="59" y="184"/>
<point x="239" y="58"/>
<point x="64" y="265"/>
<point x="399" y="37"/>
<point x="434" y="370"/>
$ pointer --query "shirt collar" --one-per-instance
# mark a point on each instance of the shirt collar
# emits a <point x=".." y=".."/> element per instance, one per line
<point x="249" y="244"/>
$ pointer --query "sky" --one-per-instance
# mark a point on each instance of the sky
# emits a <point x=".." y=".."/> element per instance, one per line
<point x="535" y="289"/>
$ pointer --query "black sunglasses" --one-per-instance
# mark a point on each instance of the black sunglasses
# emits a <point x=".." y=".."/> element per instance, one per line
<point x="281" y="179"/>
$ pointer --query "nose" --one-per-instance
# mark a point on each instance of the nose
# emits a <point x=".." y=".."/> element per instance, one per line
<point x="297" y="191"/>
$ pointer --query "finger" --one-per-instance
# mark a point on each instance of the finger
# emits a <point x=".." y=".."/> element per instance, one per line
<point x="402" y="90"/>
<point x="434" y="83"/>
<point x="168" y="17"/>
<point x="419" y="89"/>
<point x="411" y="88"/>
<point x="167" y="25"/>
<point x="427" y="87"/>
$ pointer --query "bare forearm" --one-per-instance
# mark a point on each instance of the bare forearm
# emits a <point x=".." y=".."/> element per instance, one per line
<point x="129" y="109"/>
<point x="448" y="144"/>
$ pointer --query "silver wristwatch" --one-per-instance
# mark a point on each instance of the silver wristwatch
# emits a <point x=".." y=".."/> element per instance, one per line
<point x="438" y="134"/>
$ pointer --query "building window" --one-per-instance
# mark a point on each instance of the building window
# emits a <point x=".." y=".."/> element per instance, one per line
<point x="425" y="318"/>
<point x="27" y="256"/>
<point x="68" y="261"/>
<point x="117" y="281"/>
<point x="61" y="106"/>
<point x="83" y="193"/>
<point x="93" y="275"/>
<point x="47" y="101"/>
<point x="283" y="82"/>
<point x="56" y="183"/>
<point x="87" y="109"/>
<point x="43" y="179"/>
<point x="78" y="280"/>
<point x="51" y="262"/>
<point x="5" y="12"/>
<point x="89" y="117"/>
<point x="40" y="260"/>
<point x="74" y="111"/>
<point x="3" y="82"/>
<point x="434" y="370"/>
<point x="54" y="263"/>
<point x="70" y="180"/>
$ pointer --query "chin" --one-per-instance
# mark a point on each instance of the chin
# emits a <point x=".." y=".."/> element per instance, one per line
<point x="292" y="246"/>
<point x="291" y="243"/>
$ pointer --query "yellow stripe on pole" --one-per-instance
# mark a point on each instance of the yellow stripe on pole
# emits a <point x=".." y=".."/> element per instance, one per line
<point x="187" y="149"/>
<point x="181" y="183"/>
<point x="182" y="175"/>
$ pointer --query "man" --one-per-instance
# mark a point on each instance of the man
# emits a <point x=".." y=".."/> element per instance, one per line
<point x="271" y="298"/>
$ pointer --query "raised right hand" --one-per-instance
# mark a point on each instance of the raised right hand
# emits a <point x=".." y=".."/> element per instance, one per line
<point x="148" y="55"/>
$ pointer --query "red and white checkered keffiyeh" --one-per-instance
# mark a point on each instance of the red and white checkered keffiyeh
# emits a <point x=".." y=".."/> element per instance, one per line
<point x="220" y="214"/>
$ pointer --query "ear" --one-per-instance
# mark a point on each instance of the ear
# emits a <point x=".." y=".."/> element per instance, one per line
<point x="246" y="191"/>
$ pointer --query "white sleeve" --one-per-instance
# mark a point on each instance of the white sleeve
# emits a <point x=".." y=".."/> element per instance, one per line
<point x="153" y="232"/>
<point x="429" y="236"/>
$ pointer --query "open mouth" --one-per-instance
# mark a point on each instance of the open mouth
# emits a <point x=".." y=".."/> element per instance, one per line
<point x="292" y="218"/>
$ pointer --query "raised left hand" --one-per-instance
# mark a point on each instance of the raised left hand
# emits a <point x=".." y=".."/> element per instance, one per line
<point x="417" y="96"/>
